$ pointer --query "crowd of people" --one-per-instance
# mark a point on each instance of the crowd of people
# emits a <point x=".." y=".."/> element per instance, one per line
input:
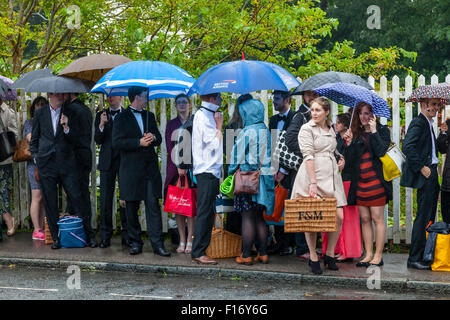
<point x="340" y="161"/>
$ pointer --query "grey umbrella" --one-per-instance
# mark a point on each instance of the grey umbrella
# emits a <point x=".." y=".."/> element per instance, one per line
<point x="323" y="78"/>
<point x="29" y="77"/>
<point x="58" y="84"/>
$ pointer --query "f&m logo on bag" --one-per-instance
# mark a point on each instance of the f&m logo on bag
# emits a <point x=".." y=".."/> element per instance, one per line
<point x="310" y="215"/>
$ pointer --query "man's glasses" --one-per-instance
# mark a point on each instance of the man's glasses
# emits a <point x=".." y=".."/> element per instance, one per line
<point x="181" y="103"/>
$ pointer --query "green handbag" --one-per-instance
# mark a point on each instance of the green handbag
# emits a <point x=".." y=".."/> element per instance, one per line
<point x="227" y="186"/>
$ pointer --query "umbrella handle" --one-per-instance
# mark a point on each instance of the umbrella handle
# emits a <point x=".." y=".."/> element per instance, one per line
<point x="350" y="125"/>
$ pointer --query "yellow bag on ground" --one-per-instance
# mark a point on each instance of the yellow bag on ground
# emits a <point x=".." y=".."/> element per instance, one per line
<point x="441" y="260"/>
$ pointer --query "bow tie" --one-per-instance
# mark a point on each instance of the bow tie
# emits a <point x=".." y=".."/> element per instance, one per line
<point x="137" y="111"/>
<point x="283" y="117"/>
<point x="114" y="112"/>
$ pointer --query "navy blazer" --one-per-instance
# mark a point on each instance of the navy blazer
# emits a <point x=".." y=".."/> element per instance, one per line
<point x="137" y="164"/>
<point x="418" y="150"/>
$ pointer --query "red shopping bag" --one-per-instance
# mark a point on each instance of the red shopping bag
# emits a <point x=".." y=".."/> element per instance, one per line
<point x="281" y="194"/>
<point x="349" y="242"/>
<point x="181" y="200"/>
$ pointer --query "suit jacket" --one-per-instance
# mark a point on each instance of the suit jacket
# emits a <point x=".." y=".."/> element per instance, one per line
<point x="305" y="111"/>
<point x="137" y="164"/>
<point x="417" y="149"/>
<point x="443" y="144"/>
<point x="44" y="145"/>
<point x="80" y="122"/>
<point x="104" y="138"/>
<point x="273" y="125"/>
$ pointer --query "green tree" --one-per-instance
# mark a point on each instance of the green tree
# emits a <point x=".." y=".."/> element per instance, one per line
<point x="420" y="26"/>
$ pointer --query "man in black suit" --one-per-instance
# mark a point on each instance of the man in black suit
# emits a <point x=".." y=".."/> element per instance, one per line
<point x="136" y="135"/>
<point x="108" y="164"/>
<point x="285" y="176"/>
<point x="420" y="172"/>
<point x="52" y="147"/>
<point x="81" y="118"/>
<point x="304" y="109"/>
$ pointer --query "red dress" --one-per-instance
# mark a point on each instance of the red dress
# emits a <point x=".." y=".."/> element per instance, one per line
<point x="370" y="191"/>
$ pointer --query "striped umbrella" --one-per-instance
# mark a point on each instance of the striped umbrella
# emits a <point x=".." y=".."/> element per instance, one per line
<point x="162" y="79"/>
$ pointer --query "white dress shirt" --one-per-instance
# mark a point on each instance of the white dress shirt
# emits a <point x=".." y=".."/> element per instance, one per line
<point x="207" y="148"/>
<point x="55" y="118"/>
<point x="434" y="159"/>
<point x="139" y="119"/>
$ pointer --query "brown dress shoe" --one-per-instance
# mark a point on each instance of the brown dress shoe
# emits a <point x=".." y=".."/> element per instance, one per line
<point x="247" y="261"/>
<point x="262" y="259"/>
<point x="205" y="260"/>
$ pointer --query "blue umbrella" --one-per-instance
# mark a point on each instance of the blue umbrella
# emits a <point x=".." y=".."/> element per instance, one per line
<point x="163" y="80"/>
<point x="351" y="95"/>
<point x="244" y="76"/>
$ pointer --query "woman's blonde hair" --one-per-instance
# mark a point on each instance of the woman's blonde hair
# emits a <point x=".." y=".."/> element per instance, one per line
<point x="325" y="104"/>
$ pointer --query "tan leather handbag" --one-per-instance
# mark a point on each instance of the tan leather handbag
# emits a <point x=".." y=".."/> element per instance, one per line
<point x="248" y="181"/>
<point x="22" y="151"/>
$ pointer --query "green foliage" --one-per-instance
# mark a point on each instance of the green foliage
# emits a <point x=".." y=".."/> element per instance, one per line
<point x="193" y="34"/>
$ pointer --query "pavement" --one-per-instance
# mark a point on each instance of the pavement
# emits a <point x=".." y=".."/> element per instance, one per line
<point x="394" y="276"/>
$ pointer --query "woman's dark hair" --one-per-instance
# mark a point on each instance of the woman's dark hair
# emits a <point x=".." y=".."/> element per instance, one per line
<point x="344" y="119"/>
<point x="36" y="101"/>
<point x="180" y="96"/>
<point x="357" y="128"/>
<point x="236" y="118"/>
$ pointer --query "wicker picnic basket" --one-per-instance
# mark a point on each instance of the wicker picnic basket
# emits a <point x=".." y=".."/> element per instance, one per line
<point x="48" y="235"/>
<point x="310" y="215"/>
<point x="224" y="244"/>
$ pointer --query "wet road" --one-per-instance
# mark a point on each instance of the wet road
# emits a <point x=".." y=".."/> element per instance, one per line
<point x="58" y="284"/>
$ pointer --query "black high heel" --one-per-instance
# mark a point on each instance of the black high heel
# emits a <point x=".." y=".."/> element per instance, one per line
<point x="315" y="267"/>
<point x="330" y="263"/>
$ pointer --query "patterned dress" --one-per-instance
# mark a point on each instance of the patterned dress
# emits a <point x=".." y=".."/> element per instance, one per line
<point x="370" y="191"/>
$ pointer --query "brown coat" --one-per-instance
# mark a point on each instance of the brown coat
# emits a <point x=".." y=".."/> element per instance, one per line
<point x="318" y="145"/>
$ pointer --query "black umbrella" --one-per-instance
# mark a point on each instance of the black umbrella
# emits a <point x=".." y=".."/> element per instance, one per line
<point x="323" y="78"/>
<point x="58" y="84"/>
<point x="29" y="77"/>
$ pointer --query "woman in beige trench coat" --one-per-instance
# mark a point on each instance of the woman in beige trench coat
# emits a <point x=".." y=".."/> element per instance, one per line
<point x="319" y="175"/>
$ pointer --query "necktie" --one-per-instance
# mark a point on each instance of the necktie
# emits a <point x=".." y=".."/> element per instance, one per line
<point x="114" y="112"/>
<point x="137" y="111"/>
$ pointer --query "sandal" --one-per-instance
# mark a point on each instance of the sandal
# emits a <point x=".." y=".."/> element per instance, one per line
<point x="181" y="248"/>
<point x="14" y="228"/>
<point x="188" y="247"/>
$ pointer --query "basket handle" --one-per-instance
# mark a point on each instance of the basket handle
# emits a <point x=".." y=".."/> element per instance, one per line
<point x="220" y="221"/>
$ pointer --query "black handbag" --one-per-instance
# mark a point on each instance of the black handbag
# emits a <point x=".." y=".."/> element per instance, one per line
<point x="7" y="142"/>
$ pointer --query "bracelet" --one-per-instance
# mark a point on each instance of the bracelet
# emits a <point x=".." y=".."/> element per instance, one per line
<point x="313" y="182"/>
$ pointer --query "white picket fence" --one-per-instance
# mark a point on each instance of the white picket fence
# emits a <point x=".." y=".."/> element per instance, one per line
<point x="396" y="231"/>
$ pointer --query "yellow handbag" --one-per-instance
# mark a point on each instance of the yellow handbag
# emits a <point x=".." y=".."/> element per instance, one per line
<point x="441" y="260"/>
<point x="392" y="163"/>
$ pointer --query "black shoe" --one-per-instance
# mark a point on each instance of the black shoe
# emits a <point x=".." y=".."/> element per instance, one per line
<point x="349" y="260"/>
<point x="418" y="265"/>
<point x="104" y="244"/>
<point x="378" y="264"/>
<point x="92" y="243"/>
<point x="315" y="267"/>
<point x="126" y="242"/>
<point x="330" y="263"/>
<point x="363" y="264"/>
<point x="56" y="245"/>
<point x="161" y="251"/>
<point x="286" y="251"/>
<point x="135" y="250"/>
